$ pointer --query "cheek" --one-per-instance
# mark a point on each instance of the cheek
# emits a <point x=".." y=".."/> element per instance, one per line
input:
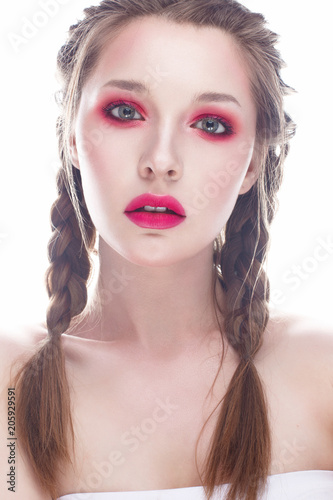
<point x="220" y="171"/>
<point x="216" y="186"/>
<point x="100" y="158"/>
<point x="220" y="191"/>
<point x="97" y="167"/>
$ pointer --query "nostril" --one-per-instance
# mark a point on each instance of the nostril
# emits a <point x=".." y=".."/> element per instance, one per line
<point x="159" y="168"/>
<point x="147" y="170"/>
<point x="172" y="173"/>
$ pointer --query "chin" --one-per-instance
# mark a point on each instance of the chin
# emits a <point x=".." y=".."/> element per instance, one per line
<point x="154" y="251"/>
<point x="152" y="260"/>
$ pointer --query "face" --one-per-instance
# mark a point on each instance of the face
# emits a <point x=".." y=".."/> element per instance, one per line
<point x="164" y="139"/>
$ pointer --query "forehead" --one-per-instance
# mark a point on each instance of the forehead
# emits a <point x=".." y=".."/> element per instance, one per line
<point x="163" y="55"/>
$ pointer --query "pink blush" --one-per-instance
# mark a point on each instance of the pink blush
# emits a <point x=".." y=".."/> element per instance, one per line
<point x="215" y="137"/>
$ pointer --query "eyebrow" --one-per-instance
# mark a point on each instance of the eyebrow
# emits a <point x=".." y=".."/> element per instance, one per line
<point x="133" y="85"/>
<point x="215" y="97"/>
<point x="127" y="85"/>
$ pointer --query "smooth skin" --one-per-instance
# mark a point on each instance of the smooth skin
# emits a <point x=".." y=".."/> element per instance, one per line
<point x="141" y="368"/>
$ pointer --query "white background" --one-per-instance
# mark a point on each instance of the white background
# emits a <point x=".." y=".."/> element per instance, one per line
<point x="29" y="157"/>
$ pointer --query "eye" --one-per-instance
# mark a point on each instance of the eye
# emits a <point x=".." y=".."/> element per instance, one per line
<point x="122" y="111"/>
<point x="213" y="126"/>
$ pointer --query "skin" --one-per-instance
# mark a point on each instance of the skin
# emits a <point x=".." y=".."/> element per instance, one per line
<point x="155" y="338"/>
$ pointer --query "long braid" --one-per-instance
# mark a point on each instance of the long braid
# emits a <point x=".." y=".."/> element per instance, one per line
<point x="239" y="260"/>
<point x="43" y="406"/>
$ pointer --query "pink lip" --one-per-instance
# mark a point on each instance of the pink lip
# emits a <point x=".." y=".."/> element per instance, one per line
<point x="155" y="220"/>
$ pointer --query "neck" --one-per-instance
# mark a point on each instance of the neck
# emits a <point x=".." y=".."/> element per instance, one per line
<point x="156" y="307"/>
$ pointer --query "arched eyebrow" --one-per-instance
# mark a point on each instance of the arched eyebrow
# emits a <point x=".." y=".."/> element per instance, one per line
<point x="135" y="86"/>
<point x="128" y="85"/>
<point x="215" y="97"/>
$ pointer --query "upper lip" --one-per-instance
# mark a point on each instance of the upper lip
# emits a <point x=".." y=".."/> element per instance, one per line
<point x="154" y="200"/>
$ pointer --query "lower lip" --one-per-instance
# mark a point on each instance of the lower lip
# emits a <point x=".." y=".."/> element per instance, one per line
<point x="154" y="220"/>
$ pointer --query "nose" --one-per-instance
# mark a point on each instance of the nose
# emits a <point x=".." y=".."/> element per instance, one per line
<point x="161" y="159"/>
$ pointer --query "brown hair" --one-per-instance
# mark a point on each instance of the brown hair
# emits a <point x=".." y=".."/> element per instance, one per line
<point x="240" y="448"/>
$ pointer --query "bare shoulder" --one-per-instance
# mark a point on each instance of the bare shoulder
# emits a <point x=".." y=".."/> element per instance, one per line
<point x="17" y="344"/>
<point x="298" y="351"/>
<point x="301" y="339"/>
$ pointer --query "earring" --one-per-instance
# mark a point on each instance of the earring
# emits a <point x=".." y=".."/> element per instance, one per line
<point x="218" y="243"/>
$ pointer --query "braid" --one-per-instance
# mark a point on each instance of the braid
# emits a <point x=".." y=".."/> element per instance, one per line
<point x="43" y="391"/>
<point x="70" y="266"/>
<point x="247" y="289"/>
<point x="239" y="260"/>
<point x="43" y="406"/>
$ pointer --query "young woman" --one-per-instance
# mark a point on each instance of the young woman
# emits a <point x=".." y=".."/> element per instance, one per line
<point x="172" y="380"/>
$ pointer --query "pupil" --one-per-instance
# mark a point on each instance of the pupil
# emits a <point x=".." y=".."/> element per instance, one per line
<point x="126" y="112"/>
<point x="211" y="126"/>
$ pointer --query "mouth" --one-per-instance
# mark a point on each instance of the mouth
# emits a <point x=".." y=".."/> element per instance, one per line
<point x="155" y="211"/>
<point x="153" y="203"/>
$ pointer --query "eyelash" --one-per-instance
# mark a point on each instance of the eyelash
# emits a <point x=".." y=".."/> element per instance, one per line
<point x="110" y="107"/>
<point x="228" y="129"/>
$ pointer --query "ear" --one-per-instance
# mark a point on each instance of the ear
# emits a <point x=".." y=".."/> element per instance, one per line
<point x="251" y="175"/>
<point x="73" y="152"/>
